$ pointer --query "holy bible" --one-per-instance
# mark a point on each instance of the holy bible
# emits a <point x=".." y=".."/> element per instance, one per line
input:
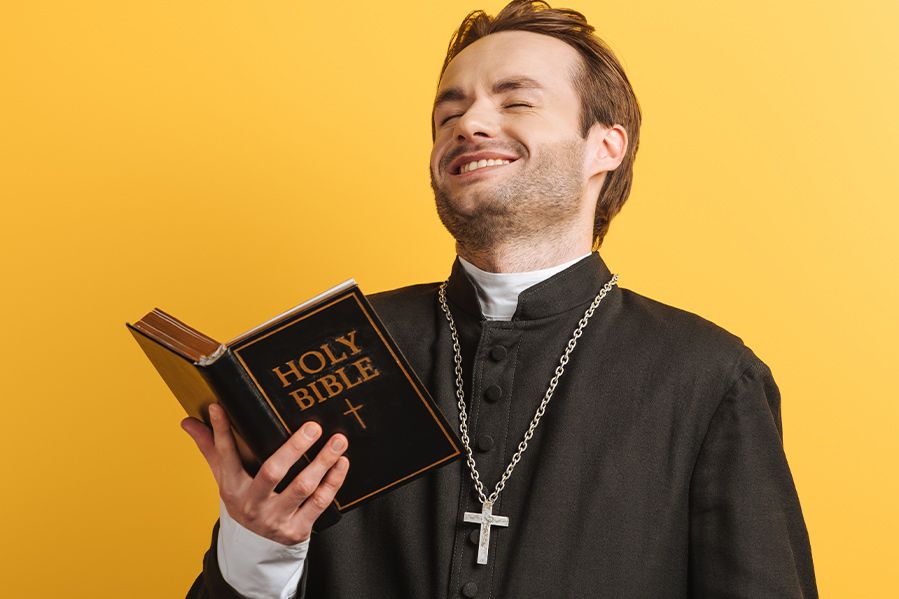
<point x="329" y="360"/>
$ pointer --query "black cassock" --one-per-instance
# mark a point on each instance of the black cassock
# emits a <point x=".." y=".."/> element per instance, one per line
<point x="657" y="471"/>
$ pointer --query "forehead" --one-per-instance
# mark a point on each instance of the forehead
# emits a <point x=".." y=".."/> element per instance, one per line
<point x="547" y="60"/>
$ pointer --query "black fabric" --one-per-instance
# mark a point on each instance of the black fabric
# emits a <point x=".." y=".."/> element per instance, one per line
<point x="657" y="471"/>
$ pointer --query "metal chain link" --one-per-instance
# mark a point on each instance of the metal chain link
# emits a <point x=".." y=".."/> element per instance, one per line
<point x="460" y="394"/>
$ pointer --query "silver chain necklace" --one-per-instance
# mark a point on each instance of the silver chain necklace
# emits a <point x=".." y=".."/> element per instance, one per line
<point x="486" y="518"/>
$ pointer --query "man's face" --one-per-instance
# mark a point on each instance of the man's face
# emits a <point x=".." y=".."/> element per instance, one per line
<point x="508" y="97"/>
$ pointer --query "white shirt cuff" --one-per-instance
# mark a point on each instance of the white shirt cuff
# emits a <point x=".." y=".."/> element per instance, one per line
<point x="257" y="567"/>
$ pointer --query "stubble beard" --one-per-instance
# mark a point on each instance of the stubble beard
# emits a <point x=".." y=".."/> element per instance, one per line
<point x="534" y="204"/>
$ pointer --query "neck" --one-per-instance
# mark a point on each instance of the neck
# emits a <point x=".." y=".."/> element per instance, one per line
<point x="528" y="255"/>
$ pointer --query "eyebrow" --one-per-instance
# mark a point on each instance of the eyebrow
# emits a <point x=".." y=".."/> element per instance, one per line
<point x="454" y="94"/>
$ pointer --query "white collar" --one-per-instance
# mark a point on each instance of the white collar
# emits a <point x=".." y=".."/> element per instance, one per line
<point x="498" y="291"/>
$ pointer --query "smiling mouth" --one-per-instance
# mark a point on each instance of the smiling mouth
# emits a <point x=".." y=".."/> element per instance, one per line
<point x="480" y="165"/>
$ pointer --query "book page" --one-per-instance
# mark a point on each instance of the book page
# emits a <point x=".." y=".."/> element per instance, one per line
<point x="318" y="298"/>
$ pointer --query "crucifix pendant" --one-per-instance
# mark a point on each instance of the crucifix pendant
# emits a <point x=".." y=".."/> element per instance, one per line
<point x="486" y="519"/>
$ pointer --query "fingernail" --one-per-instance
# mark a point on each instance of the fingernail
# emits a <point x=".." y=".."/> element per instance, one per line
<point x="310" y="430"/>
<point x="337" y="443"/>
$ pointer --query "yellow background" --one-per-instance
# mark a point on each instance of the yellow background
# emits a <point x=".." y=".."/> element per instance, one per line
<point x="226" y="160"/>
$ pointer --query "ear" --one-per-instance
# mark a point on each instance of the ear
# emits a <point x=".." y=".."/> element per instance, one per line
<point x="606" y="147"/>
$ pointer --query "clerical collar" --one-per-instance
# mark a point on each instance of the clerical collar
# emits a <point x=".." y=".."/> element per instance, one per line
<point x="572" y="287"/>
<point x="498" y="292"/>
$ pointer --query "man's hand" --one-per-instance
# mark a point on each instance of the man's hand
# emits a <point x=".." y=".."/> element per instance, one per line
<point x="284" y="517"/>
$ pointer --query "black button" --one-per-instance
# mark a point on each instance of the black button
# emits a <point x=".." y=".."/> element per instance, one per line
<point x="498" y="353"/>
<point x="475" y="536"/>
<point x="470" y="590"/>
<point x="493" y="393"/>
<point x="485" y="442"/>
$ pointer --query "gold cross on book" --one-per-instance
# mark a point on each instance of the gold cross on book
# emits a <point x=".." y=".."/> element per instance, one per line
<point x="354" y="410"/>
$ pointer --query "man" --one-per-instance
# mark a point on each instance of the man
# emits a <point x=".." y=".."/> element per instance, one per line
<point x="622" y="447"/>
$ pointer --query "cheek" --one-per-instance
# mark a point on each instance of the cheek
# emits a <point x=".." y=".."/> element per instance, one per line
<point x="434" y="168"/>
<point x="437" y="153"/>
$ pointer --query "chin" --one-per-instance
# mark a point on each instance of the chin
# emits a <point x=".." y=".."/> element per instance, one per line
<point x="474" y="196"/>
<point x="465" y="204"/>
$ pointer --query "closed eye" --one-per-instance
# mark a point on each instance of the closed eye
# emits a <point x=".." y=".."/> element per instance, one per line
<point x="453" y="116"/>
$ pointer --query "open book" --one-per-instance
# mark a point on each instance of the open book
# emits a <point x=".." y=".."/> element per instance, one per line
<point x="330" y="360"/>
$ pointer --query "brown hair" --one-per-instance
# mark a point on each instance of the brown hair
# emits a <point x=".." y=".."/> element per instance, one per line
<point x="605" y="92"/>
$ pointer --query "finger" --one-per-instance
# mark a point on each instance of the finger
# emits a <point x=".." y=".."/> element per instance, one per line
<point x="225" y="447"/>
<point x="202" y="436"/>
<point x="307" y="481"/>
<point x="276" y="466"/>
<point x="313" y="507"/>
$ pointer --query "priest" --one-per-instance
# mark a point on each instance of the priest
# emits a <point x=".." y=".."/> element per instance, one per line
<point x="615" y="446"/>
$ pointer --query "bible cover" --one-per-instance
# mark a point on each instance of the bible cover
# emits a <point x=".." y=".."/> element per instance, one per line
<point x="330" y="360"/>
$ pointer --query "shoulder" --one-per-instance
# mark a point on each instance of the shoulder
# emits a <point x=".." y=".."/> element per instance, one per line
<point x="406" y="302"/>
<point x="685" y="344"/>
<point x="409" y="312"/>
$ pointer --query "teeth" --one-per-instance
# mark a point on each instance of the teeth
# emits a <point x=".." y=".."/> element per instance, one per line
<point x="476" y="164"/>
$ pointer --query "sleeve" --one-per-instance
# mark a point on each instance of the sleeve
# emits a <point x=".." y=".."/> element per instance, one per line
<point x="747" y="533"/>
<point x="243" y="565"/>
<point x="256" y="567"/>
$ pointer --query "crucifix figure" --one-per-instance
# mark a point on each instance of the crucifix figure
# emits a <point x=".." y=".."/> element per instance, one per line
<point x="486" y="519"/>
<point x="354" y="410"/>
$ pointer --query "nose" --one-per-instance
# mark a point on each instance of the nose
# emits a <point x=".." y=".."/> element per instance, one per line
<point x="478" y="121"/>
